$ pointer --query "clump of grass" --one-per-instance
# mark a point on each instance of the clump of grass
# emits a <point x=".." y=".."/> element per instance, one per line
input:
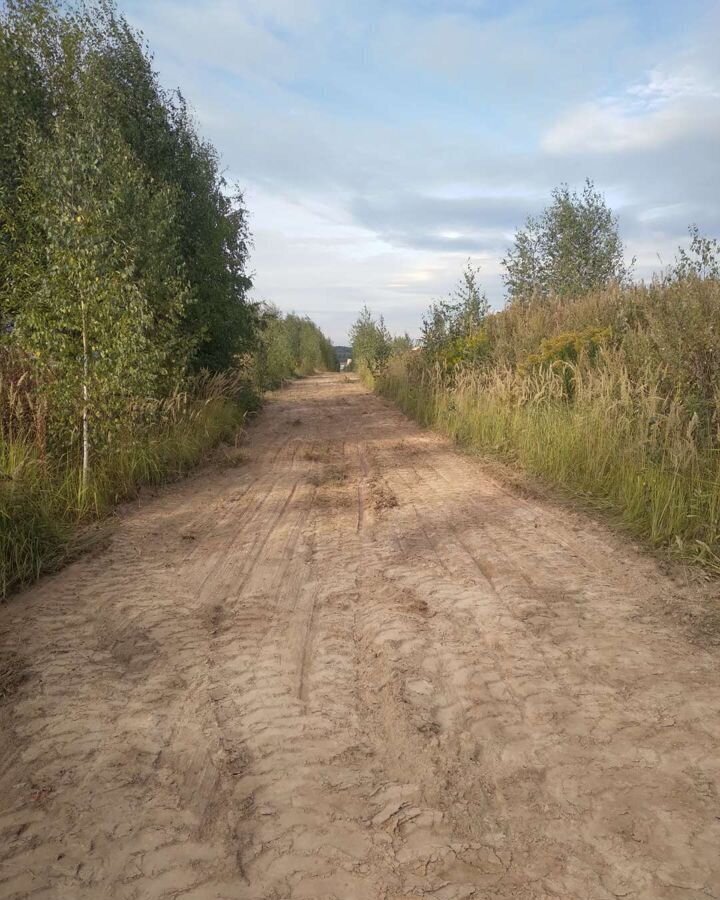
<point x="315" y="454"/>
<point x="382" y="495"/>
<point x="12" y="673"/>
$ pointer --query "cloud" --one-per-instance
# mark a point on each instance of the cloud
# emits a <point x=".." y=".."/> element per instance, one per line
<point x="496" y="49"/>
<point x="222" y="36"/>
<point x="332" y="266"/>
<point x="666" y="107"/>
<point x="381" y="144"/>
<point x="472" y="224"/>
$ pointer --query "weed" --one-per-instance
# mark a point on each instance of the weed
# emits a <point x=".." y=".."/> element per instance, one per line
<point x="313" y="454"/>
<point x="12" y="674"/>
<point x="382" y="495"/>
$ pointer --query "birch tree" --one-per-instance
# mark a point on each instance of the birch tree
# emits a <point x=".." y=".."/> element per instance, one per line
<point x="573" y="247"/>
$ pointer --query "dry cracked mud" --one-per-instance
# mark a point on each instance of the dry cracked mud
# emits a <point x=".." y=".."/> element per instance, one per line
<point x="356" y="667"/>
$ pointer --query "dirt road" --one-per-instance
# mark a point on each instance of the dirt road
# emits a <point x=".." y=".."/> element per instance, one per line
<point x="356" y="667"/>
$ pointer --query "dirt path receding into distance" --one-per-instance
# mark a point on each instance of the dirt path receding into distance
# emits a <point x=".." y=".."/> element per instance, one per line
<point x="356" y="667"/>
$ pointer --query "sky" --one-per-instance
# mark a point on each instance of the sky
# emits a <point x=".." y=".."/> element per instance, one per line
<point x="379" y="145"/>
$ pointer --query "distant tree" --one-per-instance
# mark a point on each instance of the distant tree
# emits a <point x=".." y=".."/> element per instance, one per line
<point x="277" y="353"/>
<point x="371" y="342"/>
<point x="470" y="302"/>
<point x="291" y="345"/>
<point x="573" y="247"/>
<point x="700" y="260"/>
<point x="460" y="315"/>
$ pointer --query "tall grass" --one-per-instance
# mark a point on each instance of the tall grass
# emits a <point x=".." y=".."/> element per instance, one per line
<point x="619" y="441"/>
<point x="43" y="502"/>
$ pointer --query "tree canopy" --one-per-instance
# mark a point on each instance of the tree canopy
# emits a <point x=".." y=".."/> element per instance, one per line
<point x="371" y="342"/>
<point x="123" y="252"/>
<point x="461" y="314"/>
<point x="571" y="248"/>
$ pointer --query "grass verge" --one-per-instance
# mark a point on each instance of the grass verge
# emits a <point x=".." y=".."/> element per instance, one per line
<point x="615" y="443"/>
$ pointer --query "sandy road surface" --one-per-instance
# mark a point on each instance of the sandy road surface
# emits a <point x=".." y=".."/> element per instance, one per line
<point x="355" y="667"/>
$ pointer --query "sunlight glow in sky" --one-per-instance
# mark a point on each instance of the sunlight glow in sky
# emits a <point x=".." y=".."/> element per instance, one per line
<point x="381" y="144"/>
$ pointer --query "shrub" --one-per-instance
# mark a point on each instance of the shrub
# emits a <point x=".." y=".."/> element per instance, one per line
<point x="470" y="349"/>
<point x="290" y="346"/>
<point x="561" y="352"/>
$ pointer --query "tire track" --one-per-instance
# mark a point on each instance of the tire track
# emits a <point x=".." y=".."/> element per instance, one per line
<point x="273" y="685"/>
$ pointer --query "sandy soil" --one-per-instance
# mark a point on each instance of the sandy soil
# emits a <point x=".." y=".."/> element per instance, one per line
<point x="356" y="666"/>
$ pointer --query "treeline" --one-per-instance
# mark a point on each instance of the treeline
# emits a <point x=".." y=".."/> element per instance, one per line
<point x="605" y="386"/>
<point x="292" y="346"/>
<point x="128" y="344"/>
<point x="123" y="255"/>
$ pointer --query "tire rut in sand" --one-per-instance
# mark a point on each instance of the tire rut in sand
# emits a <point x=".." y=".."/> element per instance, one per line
<point x="355" y="668"/>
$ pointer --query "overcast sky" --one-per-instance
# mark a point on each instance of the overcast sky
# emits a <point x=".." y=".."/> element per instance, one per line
<point x="379" y="144"/>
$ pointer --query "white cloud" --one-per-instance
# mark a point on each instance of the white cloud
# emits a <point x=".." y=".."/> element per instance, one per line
<point x="664" y="108"/>
<point x="266" y="40"/>
<point x="662" y="87"/>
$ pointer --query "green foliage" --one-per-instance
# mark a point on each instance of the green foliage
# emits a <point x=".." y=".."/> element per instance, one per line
<point x="671" y="326"/>
<point x="291" y="346"/>
<point x="80" y="93"/>
<point x="573" y="247"/>
<point x="619" y="444"/>
<point x="371" y="342"/>
<point x="470" y="349"/>
<point x="43" y="511"/>
<point x="561" y="352"/>
<point x="95" y="302"/>
<point x="401" y="343"/>
<point x="122" y="257"/>
<point x="449" y="322"/>
<point x="615" y="396"/>
<point x="701" y="260"/>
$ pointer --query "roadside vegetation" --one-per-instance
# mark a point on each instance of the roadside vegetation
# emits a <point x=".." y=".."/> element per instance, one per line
<point x="128" y="344"/>
<point x="601" y="385"/>
<point x="290" y="346"/>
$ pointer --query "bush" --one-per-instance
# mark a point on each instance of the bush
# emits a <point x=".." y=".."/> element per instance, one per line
<point x="559" y="354"/>
<point x="618" y="443"/>
<point x="471" y="349"/>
